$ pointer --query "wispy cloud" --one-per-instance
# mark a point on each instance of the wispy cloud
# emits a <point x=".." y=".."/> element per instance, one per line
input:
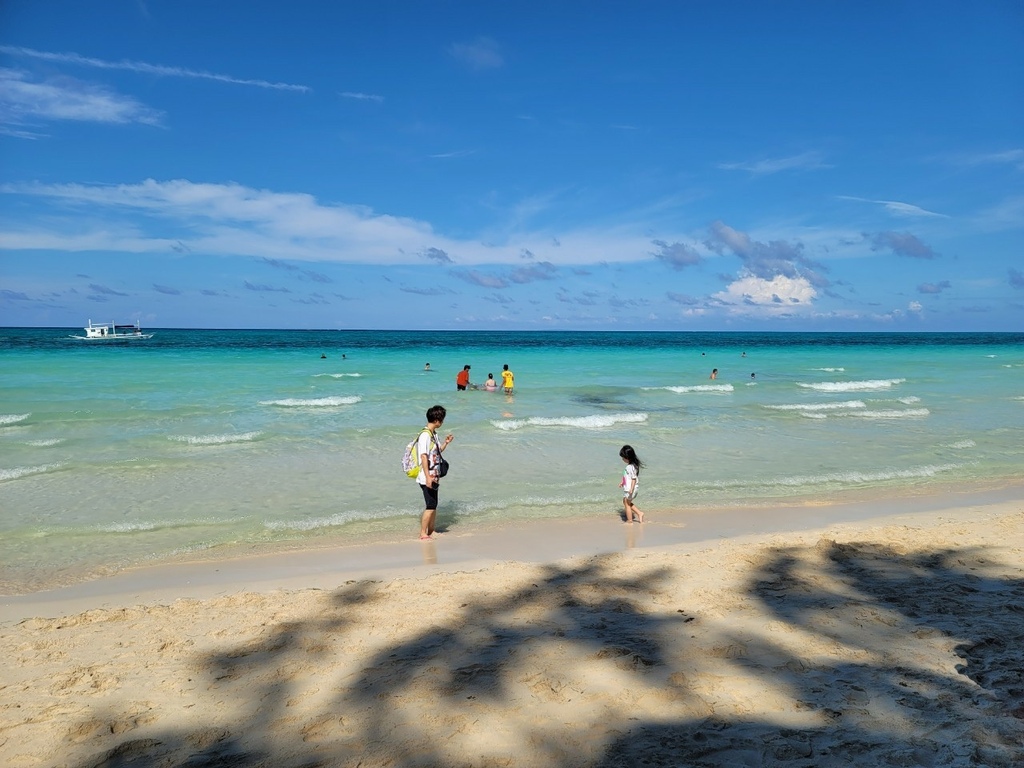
<point x="362" y="96"/>
<point x="24" y="100"/>
<point x="144" y="68"/>
<point x="1011" y="157"/>
<point x="932" y="288"/>
<point x="456" y="153"/>
<point x="482" y="53"/>
<point x="905" y="210"/>
<point x="806" y="161"/>
<point x="168" y="217"/>
<point x="1016" y="278"/>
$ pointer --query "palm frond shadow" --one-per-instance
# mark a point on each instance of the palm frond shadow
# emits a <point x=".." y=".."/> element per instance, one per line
<point x="530" y="655"/>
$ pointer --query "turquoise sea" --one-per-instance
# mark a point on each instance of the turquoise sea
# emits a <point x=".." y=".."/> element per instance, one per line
<point x="199" y="440"/>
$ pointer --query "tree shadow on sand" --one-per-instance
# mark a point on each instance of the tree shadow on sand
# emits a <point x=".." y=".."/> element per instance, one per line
<point x="896" y="613"/>
<point x="586" y="667"/>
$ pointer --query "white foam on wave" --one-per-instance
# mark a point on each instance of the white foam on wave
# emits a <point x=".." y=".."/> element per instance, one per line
<point x="337" y="375"/>
<point x="700" y="388"/>
<point x="830" y="370"/>
<point x="15" y="472"/>
<point x="903" y="413"/>
<point x="315" y="402"/>
<point x="243" y="437"/>
<point x="339" y="518"/>
<point x="812" y="407"/>
<point x="845" y="478"/>
<point x="12" y="418"/>
<point x="959" y="444"/>
<point x="909" y="400"/>
<point x="45" y="443"/>
<point x="597" y="421"/>
<point x="851" y="386"/>
<point x="128" y="527"/>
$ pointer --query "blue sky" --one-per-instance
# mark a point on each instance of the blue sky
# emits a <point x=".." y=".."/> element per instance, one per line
<point x="530" y="165"/>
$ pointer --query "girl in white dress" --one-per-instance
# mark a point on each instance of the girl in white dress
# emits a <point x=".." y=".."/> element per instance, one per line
<point x="630" y="480"/>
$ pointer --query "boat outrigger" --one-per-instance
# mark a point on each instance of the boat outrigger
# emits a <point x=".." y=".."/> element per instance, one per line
<point x="111" y="332"/>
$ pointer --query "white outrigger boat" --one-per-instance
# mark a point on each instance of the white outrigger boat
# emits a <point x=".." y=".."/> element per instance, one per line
<point x="111" y="332"/>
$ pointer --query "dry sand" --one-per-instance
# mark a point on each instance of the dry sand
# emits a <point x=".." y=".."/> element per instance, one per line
<point x="896" y="641"/>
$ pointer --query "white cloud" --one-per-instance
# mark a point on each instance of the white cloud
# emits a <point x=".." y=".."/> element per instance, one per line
<point x="756" y="294"/>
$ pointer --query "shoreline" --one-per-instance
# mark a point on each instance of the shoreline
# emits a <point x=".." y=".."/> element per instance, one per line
<point x="473" y="548"/>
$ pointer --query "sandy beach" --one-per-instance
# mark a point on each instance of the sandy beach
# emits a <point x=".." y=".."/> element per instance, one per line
<point x="883" y="639"/>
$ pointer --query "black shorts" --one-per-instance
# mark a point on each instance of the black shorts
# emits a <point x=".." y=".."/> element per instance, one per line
<point x="460" y="387"/>
<point x="429" y="496"/>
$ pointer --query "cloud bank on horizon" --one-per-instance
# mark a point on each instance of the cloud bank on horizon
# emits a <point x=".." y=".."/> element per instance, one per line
<point x="691" y="166"/>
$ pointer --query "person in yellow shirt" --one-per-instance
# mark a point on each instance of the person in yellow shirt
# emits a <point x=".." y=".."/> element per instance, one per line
<point x="508" y="380"/>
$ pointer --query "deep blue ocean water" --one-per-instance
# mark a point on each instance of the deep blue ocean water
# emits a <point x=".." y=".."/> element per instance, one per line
<point x="115" y="455"/>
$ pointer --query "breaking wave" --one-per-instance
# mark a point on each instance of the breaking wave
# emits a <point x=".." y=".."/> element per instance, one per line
<point x="600" y="421"/>
<point x="851" y="386"/>
<point x="315" y="402"/>
<point x="244" y="437"/>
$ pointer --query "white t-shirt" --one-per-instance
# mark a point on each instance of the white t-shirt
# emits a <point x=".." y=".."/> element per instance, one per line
<point x="428" y="445"/>
<point x="630" y="479"/>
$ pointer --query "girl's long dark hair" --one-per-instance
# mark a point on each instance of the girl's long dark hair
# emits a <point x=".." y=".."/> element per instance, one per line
<point x="629" y="455"/>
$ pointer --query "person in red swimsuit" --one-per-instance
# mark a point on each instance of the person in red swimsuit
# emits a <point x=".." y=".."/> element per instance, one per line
<point x="462" y="379"/>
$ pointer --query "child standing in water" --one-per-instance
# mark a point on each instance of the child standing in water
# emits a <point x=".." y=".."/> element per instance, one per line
<point x="630" y="480"/>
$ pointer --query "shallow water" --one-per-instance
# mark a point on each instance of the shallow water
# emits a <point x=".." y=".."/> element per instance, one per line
<point x="115" y="455"/>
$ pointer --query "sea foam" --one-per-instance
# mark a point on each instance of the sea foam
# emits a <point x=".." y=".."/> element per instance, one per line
<point x="904" y="413"/>
<point x="845" y="478"/>
<point x="851" y="386"/>
<point x="812" y="407"/>
<point x="12" y="418"/>
<point x="700" y="388"/>
<point x="597" y="421"/>
<point x="960" y="444"/>
<point x="316" y="402"/>
<point x="244" y="437"/>
<point x="15" y="472"/>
